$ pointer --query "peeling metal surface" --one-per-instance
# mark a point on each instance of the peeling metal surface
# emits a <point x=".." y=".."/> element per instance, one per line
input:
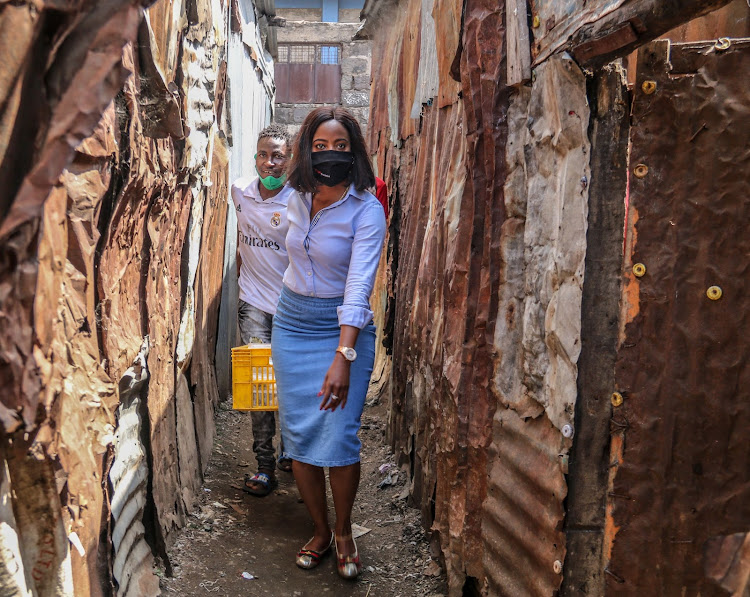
<point x="427" y="77"/>
<point x="555" y="21"/>
<point x="444" y="250"/>
<point x="109" y="233"/>
<point x="538" y="331"/>
<point x="597" y="32"/>
<point x="682" y="367"/>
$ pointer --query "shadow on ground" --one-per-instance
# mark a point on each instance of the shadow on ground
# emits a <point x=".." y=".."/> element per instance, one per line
<point x="231" y="532"/>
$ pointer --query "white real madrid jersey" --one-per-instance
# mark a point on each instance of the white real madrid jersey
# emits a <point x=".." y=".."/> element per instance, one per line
<point x="262" y="227"/>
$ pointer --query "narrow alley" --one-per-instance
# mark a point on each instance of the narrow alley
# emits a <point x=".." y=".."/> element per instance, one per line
<point x="231" y="532"/>
<point x="546" y="204"/>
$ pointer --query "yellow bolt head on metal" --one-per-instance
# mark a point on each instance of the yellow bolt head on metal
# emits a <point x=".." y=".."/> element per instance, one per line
<point x="640" y="170"/>
<point x="536" y="22"/>
<point x="714" y="293"/>
<point x="648" y="87"/>
<point x="616" y="399"/>
<point x="639" y="270"/>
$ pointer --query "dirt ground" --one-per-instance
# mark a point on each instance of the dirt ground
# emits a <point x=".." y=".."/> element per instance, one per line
<point x="231" y="532"/>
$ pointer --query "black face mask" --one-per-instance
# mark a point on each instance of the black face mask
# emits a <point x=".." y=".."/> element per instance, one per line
<point x="332" y="167"/>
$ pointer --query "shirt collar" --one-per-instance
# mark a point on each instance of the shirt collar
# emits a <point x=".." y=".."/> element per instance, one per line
<point x="361" y="195"/>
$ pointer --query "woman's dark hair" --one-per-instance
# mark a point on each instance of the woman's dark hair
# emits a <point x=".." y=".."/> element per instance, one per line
<point x="301" y="176"/>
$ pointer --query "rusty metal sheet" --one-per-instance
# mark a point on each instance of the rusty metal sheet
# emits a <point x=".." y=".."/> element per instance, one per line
<point x="596" y="32"/>
<point x="105" y="243"/>
<point x="202" y="373"/>
<point x="78" y="395"/>
<point x="444" y="249"/>
<point x="555" y="21"/>
<point x="684" y="425"/>
<point x="427" y="75"/>
<point x="538" y="330"/>
<point x="524" y="546"/>
<point x="447" y="15"/>
<point x="84" y="76"/>
<point x="167" y="20"/>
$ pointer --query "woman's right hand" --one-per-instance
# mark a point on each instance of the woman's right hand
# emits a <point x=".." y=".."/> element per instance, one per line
<point x="335" y="390"/>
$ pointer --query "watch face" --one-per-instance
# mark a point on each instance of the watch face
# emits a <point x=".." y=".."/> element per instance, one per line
<point x="349" y="353"/>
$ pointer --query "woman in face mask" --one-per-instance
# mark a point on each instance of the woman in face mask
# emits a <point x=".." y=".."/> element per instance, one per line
<point x="323" y="339"/>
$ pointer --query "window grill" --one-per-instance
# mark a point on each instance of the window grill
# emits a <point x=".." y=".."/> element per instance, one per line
<point x="309" y="54"/>
<point x="308" y="73"/>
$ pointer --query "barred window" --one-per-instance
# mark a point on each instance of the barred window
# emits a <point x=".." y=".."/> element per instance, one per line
<point x="329" y="55"/>
<point x="308" y="73"/>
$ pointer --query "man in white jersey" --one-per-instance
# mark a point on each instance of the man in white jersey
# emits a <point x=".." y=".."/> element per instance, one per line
<point x="261" y="204"/>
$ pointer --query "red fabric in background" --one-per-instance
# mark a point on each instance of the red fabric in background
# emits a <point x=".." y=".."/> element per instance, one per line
<point x="381" y="192"/>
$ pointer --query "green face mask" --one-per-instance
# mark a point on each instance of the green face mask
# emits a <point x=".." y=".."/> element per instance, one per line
<point x="272" y="182"/>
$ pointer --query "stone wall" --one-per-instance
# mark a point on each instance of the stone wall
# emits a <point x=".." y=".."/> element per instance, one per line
<point x="300" y="14"/>
<point x="355" y="68"/>
<point x="346" y="15"/>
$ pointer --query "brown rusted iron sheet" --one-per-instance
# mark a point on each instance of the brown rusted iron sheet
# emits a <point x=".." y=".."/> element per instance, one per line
<point x="202" y="373"/>
<point x="447" y="15"/>
<point x="538" y="330"/>
<point x="112" y="254"/>
<point x="727" y="562"/>
<point x="733" y="20"/>
<point x="442" y="245"/>
<point x="84" y="75"/>
<point x="684" y="425"/>
<point x="599" y="31"/>
<point x="74" y="409"/>
<point x="459" y="238"/>
<point x="524" y="546"/>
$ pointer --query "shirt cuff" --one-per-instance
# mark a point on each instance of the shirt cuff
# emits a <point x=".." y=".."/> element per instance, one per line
<point x="357" y="317"/>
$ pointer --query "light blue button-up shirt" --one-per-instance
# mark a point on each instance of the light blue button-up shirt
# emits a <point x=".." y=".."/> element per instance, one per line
<point x="337" y="253"/>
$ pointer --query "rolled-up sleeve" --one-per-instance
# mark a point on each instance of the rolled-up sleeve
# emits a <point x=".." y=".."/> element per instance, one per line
<point x="369" y="233"/>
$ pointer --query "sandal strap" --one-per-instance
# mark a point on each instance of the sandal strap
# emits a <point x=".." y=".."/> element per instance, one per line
<point x="260" y="478"/>
<point x="315" y="555"/>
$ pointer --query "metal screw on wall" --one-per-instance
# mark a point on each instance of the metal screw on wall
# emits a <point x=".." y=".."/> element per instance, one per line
<point x="714" y="293"/>
<point x="648" y="87"/>
<point x="639" y="270"/>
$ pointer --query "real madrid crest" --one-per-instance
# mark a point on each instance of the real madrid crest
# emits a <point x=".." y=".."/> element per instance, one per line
<point x="276" y="219"/>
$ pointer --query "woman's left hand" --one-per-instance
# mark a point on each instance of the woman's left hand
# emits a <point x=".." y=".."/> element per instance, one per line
<point x="335" y="388"/>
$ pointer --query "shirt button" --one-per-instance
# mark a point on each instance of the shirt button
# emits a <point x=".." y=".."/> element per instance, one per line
<point x="309" y="273"/>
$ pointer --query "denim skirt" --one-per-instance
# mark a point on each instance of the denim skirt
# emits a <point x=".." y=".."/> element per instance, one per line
<point x="303" y="343"/>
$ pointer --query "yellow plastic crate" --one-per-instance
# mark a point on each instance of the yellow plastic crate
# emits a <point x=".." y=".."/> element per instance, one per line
<point x="253" y="378"/>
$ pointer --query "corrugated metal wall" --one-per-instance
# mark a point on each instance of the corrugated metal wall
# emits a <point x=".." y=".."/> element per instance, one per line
<point x="115" y="166"/>
<point x="682" y="475"/>
<point x="491" y="152"/>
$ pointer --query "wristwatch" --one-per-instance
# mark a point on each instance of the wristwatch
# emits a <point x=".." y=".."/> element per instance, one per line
<point x="349" y="353"/>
